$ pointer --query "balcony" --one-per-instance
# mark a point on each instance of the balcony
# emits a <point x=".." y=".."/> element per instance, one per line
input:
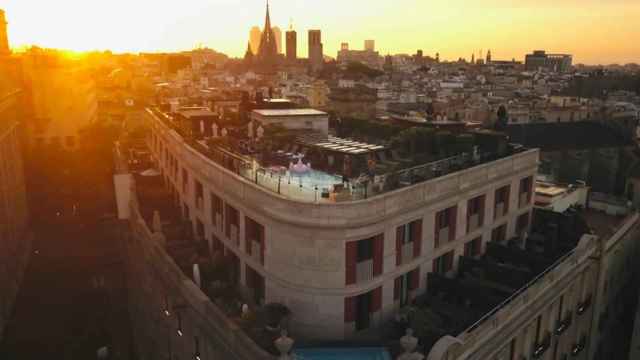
<point x="474" y="222"/>
<point x="443" y="235"/>
<point x="364" y="271"/>
<point x="234" y="234"/>
<point x="407" y="253"/>
<point x="563" y="325"/>
<point x="540" y="348"/>
<point x="524" y="199"/>
<point x="584" y="305"/>
<point x="499" y="210"/>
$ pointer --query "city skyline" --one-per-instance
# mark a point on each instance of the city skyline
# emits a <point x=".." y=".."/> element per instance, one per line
<point x="456" y="29"/>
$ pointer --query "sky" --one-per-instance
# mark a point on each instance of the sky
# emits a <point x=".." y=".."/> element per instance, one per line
<point x="594" y="31"/>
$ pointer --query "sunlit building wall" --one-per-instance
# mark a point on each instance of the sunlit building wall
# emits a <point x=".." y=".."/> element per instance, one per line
<point x="62" y="97"/>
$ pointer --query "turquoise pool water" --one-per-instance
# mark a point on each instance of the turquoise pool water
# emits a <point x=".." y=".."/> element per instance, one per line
<point x="315" y="178"/>
<point x="342" y="354"/>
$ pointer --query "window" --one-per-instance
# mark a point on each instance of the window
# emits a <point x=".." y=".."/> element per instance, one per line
<point x="443" y="264"/>
<point x="363" y="259"/>
<point x="473" y="248"/>
<point x="365" y="250"/>
<point x="408" y="241"/>
<point x="445" y="229"/>
<point x="254" y="239"/>
<point x="359" y="308"/>
<point x="501" y="206"/>
<point x="199" y="194"/>
<point x="522" y="223"/>
<point x="526" y="190"/>
<point x="499" y="234"/>
<point x="216" y="208"/>
<point x="475" y="213"/>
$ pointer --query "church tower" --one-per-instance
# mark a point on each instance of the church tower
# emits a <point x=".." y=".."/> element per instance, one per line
<point x="268" y="51"/>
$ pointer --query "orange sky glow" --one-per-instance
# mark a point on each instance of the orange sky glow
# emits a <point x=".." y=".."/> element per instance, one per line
<point x="594" y="31"/>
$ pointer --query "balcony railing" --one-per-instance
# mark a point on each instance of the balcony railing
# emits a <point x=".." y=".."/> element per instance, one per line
<point x="577" y="348"/>
<point x="500" y="210"/>
<point x="540" y="348"/>
<point x="524" y="199"/>
<point x="407" y="253"/>
<point x="364" y="271"/>
<point x="474" y="222"/>
<point x="443" y="235"/>
<point x="584" y="305"/>
<point x="234" y="234"/>
<point x="563" y="325"/>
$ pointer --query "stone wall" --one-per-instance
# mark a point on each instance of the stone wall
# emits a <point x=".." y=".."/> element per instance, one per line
<point x="170" y="314"/>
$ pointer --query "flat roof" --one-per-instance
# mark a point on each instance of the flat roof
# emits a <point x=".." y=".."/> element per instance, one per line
<point x="290" y="112"/>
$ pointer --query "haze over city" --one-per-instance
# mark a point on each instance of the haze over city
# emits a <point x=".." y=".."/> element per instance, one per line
<point x="454" y="28"/>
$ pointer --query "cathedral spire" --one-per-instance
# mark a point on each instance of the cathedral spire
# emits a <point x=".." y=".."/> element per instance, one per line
<point x="267" y="21"/>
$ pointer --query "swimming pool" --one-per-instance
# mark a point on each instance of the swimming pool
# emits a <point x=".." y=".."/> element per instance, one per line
<point x="314" y="178"/>
<point x="342" y="354"/>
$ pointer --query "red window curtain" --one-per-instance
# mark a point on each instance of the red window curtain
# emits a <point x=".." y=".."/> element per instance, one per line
<point x="416" y="234"/>
<point x="378" y="253"/>
<point x="376" y="299"/>
<point x="397" y="283"/>
<point x="399" y="237"/>
<point x="453" y="218"/>
<point x="437" y="230"/>
<point x="351" y="254"/>
<point x="414" y="281"/>
<point x="349" y="309"/>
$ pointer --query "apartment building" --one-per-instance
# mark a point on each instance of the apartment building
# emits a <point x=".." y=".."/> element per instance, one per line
<point x="14" y="241"/>
<point x="346" y="266"/>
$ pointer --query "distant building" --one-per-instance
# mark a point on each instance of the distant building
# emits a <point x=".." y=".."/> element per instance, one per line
<point x="316" y="55"/>
<point x="539" y="59"/>
<point x="4" y="39"/>
<point x="57" y="120"/>
<point x="293" y="119"/>
<point x="370" y="45"/>
<point x="267" y="57"/>
<point x="254" y="39"/>
<point x="368" y="56"/>
<point x="277" y="33"/>
<point x="292" y="45"/>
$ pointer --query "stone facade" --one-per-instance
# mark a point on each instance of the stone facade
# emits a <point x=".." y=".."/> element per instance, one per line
<point x="305" y="263"/>
<point x="15" y="245"/>
<point x="558" y="315"/>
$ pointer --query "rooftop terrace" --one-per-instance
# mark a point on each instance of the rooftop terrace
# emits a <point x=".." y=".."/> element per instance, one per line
<point x="307" y="168"/>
